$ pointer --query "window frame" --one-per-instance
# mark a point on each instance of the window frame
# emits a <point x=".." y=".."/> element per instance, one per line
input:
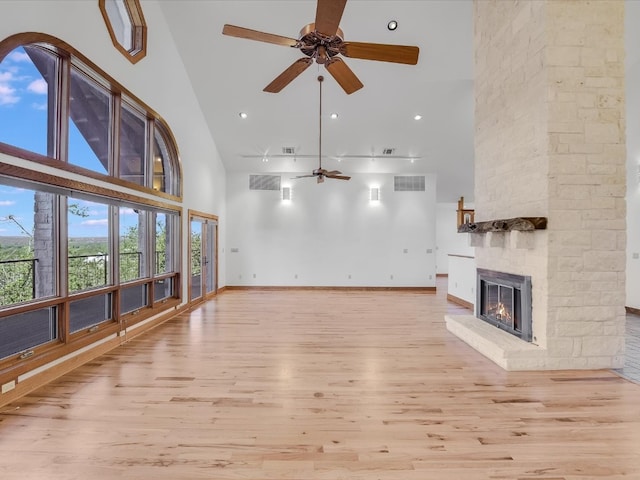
<point x="59" y="130"/>
<point x="138" y="48"/>
<point x="66" y="340"/>
<point x="52" y="173"/>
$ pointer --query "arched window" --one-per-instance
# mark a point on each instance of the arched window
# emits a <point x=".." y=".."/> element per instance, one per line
<point x="79" y="262"/>
<point x="57" y="104"/>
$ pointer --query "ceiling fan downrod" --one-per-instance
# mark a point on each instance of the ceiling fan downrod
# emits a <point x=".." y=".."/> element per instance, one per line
<point x="320" y="80"/>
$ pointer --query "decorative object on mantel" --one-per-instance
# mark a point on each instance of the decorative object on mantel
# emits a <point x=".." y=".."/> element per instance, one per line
<point x="523" y="224"/>
<point x="465" y="215"/>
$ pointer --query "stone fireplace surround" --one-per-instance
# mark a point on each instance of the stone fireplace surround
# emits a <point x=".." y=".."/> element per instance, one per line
<point x="549" y="140"/>
<point x="503" y="348"/>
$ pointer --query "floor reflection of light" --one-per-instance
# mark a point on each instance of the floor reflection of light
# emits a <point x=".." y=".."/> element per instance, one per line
<point x="195" y="328"/>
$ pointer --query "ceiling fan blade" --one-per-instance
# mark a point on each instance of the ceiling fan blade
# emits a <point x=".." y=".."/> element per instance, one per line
<point x="328" y="16"/>
<point x="332" y="172"/>
<point x="286" y="77"/>
<point x="339" y="177"/>
<point x="343" y="75"/>
<point x="381" y="52"/>
<point x="249" y="34"/>
<point x="303" y="176"/>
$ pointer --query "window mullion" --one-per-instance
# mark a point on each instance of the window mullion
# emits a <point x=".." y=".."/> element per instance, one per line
<point x="148" y="167"/>
<point x="61" y="114"/>
<point x="116" y="110"/>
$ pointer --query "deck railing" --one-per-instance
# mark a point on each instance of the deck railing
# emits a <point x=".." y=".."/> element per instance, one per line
<point x="18" y="277"/>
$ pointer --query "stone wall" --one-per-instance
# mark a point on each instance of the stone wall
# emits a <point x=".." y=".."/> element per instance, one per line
<point x="549" y="78"/>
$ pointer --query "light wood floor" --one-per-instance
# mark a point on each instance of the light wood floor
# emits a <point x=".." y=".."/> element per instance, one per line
<point x="319" y="385"/>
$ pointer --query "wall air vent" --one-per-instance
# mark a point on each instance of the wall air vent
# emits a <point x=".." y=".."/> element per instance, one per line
<point x="264" y="182"/>
<point x="410" y="183"/>
<point x="288" y="150"/>
<point x="388" y="151"/>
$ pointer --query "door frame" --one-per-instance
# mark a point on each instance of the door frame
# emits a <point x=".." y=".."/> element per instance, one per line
<point x="203" y="218"/>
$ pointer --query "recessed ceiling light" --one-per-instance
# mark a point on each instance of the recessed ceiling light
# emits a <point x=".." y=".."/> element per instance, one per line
<point x="243" y="115"/>
<point x="265" y="159"/>
<point x="334" y="116"/>
<point x="392" y="25"/>
<point x="418" y="117"/>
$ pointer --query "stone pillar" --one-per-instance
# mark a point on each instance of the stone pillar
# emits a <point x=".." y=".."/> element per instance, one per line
<point x="549" y="141"/>
<point x="44" y="244"/>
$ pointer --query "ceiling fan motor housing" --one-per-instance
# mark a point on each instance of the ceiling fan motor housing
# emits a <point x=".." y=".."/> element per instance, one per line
<point x="315" y="45"/>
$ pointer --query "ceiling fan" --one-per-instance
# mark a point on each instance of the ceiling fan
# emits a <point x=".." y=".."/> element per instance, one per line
<point x="320" y="173"/>
<point x="323" y="41"/>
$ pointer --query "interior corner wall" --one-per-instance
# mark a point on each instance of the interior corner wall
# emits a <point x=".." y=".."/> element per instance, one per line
<point x="448" y="240"/>
<point x="159" y="80"/>
<point x="331" y="234"/>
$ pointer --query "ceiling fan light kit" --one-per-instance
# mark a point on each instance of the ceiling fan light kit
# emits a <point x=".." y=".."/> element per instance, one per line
<point x="323" y="42"/>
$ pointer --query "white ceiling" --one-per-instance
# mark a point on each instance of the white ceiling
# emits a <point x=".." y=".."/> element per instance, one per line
<point x="228" y="75"/>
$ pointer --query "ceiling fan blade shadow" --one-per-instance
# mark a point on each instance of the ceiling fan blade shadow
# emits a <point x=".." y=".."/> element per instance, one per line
<point x="381" y="52"/>
<point x="338" y="177"/>
<point x="328" y="16"/>
<point x="286" y="77"/>
<point x="343" y="75"/>
<point x="249" y="34"/>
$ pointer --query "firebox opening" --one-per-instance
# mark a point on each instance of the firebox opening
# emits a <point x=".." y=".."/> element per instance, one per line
<point x="504" y="300"/>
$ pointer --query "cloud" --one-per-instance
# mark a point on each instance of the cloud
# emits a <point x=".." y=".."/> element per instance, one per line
<point x="7" y="203"/>
<point x="38" y="86"/>
<point x="39" y="106"/>
<point x="96" y="223"/>
<point x="7" y="93"/>
<point x="19" y="57"/>
<point x="127" y="211"/>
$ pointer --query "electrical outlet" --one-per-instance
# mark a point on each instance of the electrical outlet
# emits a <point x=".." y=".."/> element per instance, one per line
<point x="295" y="276"/>
<point x="391" y="276"/>
<point x="254" y="275"/>
<point x="7" y="387"/>
<point x="235" y="250"/>
<point x="429" y="250"/>
<point x="635" y="255"/>
<point x="349" y="276"/>
<point x="406" y="250"/>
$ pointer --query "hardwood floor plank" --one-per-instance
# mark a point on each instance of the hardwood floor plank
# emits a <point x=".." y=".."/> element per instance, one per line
<point x="319" y="385"/>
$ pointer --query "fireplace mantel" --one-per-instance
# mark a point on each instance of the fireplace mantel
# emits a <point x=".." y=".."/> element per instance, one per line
<point x="522" y="224"/>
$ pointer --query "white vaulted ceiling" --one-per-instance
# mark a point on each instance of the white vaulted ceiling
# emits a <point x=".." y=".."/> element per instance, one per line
<point x="229" y="74"/>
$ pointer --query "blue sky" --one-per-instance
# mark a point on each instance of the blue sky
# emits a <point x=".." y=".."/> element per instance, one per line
<point x="23" y="123"/>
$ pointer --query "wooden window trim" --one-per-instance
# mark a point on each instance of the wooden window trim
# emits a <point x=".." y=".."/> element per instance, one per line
<point x="139" y="37"/>
<point x="66" y="51"/>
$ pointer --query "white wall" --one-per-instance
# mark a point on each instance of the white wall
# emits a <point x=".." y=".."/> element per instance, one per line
<point x="331" y="231"/>
<point x="448" y="240"/>
<point x="632" y="11"/>
<point x="159" y="80"/>
<point x="633" y="187"/>
<point x="461" y="282"/>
